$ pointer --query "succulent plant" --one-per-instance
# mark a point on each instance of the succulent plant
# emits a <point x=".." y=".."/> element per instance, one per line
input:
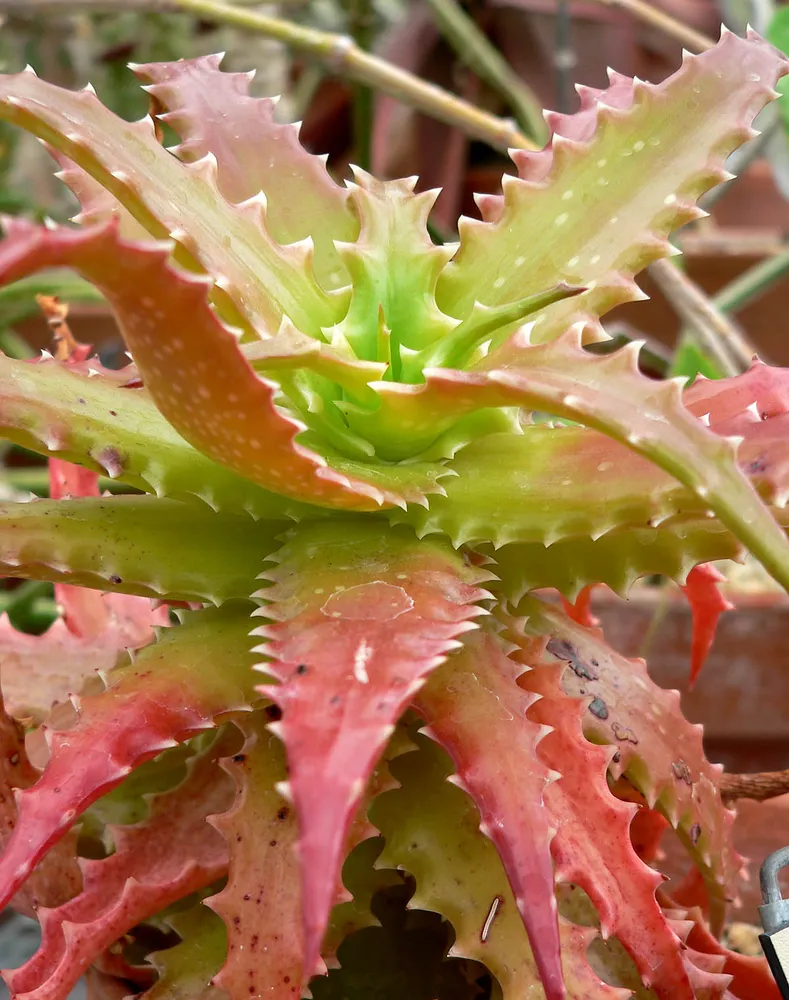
<point x="351" y="494"/>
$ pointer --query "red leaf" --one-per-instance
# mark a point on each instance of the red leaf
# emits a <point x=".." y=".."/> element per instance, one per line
<point x="657" y="748"/>
<point x="157" y="862"/>
<point x="592" y="846"/>
<point x="57" y="877"/>
<point x="581" y="610"/>
<point x="173" y="690"/>
<point x="346" y="675"/>
<point x="474" y="708"/>
<point x="707" y="604"/>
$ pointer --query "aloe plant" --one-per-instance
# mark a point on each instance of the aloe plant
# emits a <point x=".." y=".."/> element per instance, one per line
<point x="369" y="688"/>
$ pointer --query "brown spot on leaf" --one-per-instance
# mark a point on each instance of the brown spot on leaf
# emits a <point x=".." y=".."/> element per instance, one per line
<point x="564" y="650"/>
<point x="623" y="734"/>
<point x="681" y="771"/>
<point x="695" y="833"/>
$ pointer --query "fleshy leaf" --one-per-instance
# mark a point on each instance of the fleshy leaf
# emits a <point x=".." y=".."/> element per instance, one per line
<point x="174" y="689"/>
<point x="263" y="279"/>
<point x="657" y="748"/>
<point x="186" y="969"/>
<point x="617" y="559"/>
<point x="213" y="112"/>
<point x="707" y="604"/>
<point x="607" y="393"/>
<point x="546" y="484"/>
<point x="170" y="855"/>
<point x="57" y="877"/>
<point x="193" y="368"/>
<point x="431" y="830"/>
<point x="82" y="412"/>
<point x="592" y="847"/>
<point x="580" y="208"/>
<point x="86" y="612"/>
<point x="261" y="904"/>
<point x="136" y="545"/>
<point x="474" y="708"/>
<point x="343" y="682"/>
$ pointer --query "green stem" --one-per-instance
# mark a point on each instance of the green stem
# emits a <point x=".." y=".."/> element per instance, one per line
<point x="15" y="346"/>
<point x="360" y="25"/>
<point x="481" y="56"/>
<point x="753" y="282"/>
<point x="715" y="333"/>
<point x="343" y="56"/>
<point x="689" y="37"/>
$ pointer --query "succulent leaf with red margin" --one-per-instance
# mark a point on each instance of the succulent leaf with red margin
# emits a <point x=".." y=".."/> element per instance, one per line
<point x="657" y="748"/>
<point x="57" y="876"/>
<point x="213" y="112"/>
<point x="592" y="847"/>
<point x="181" y="685"/>
<point x="431" y="829"/>
<point x="261" y="904"/>
<point x="193" y="368"/>
<point x="751" y="976"/>
<point x="609" y="394"/>
<point x="171" y="854"/>
<point x="587" y="188"/>
<point x="474" y="708"/>
<point x="707" y="604"/>
<point x="83" y="413"/>
<point x="343" y="683"/>
<point x="173" y="199"/>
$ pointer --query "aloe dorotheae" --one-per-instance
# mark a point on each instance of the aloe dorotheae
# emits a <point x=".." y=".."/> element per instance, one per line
<point x="328" y="420"/>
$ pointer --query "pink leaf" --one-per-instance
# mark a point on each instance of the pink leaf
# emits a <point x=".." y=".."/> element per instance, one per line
<point x="474" y="708"/>
<point x="658" y="749"/>
<point x="57" y="877"/>
<point x="261" y="903"/>
<point x="344" y="682"/>
<point x="592" y="847"/>
<point x="213" y="112"/>
<point x="707" y="604"/>
<point x="173" y="690"/>
<point x="168" y="856"/>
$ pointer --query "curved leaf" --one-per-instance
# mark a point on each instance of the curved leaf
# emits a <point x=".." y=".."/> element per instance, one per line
<point x="82" y="412"/>
<point x="474" y="708"/>
<point x="168" y="856"/>
<point x="174" y="689"/>
<point x="580" y="209"/>
<point x="263" y="279"/>
<point x="261" y="904"/>
<point x="431" y="830"/>
<point x="343" y="682"/>
<point x="195" y="372"/>
<point x="658" y="749"/>
<point x="213" y="112"/>
<point x="592" y="847"/>
<point x="57" y="877"/>
<point x="136" y="545"/>
<point x="186" y="969"/>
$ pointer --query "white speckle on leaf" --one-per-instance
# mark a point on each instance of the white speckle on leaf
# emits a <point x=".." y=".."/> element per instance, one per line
<point x="360" y="660"/>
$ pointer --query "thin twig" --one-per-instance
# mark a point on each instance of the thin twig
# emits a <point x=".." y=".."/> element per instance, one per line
<point x="35" y="8"/>
<point x="564" y="57"/>
<point x="481" y="56"/>
<point x="715" y="333"/>
<point x="758" y="787"/>
<point x="753" y="282"/>
<point x="340" y="54"/>
<point x="687" y="36"/>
